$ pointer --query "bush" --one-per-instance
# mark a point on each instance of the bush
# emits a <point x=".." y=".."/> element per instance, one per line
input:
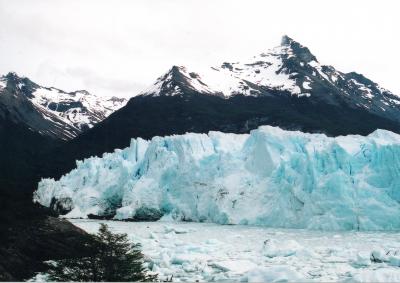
<point x="112" y="258"/>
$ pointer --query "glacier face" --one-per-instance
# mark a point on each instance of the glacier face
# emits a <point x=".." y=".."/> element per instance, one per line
<point x="269" y="177"/>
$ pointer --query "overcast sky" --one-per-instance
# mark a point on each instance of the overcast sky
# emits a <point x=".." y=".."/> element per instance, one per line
<point x="120" y="47"/>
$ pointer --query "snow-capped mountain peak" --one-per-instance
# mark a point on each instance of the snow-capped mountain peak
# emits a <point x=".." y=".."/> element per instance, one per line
<point x="176" y="81"/>
<point x="56" y="112"/>
<point x="294" y="48"/>
<point x="290" y="70"/>
<point x="264" y="71"/>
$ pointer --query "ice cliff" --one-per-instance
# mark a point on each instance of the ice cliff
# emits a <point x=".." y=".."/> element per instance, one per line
<point x="269" y="177"/>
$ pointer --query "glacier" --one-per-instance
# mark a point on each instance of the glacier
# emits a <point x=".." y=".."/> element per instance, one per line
<point x="270" y="177"/>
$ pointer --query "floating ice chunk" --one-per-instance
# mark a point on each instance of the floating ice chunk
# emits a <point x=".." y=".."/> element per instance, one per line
<point x="196" y="248"/>
<point x="181" y="230"/>
<point x="165" y="260"/>
<point x="168" y="235"/>
<point x="187" y="267"/>
<point x="213" y="242"/>
<point x="235" y="266"/>
<point x="179" y="243"/>
<point x="379" y="255"/>
<point x="334" y="259"/>
<point x="362" y="259"/>
<point x="176" y="230"/>
<point x="378" y="275"/>
<point x="274" y="248"/>
<point x="306" y="253"/>
<point x="272" y="274"/>
<point x="153" y="236"/>
<point x="168" y="229"/>
<point x="188" y="257"/>
<point x="394" y="261"/>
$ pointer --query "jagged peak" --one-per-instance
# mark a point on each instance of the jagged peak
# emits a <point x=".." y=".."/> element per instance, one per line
<point x="172" y="73"/>
<point x="176" y="68"/>
<point x="299" y="50"/>
<point x="286" y="40"/>
<point x="178" y="73"/>
<point x="166" y="82"/>
<point x="14" y="81"/>
<point x="13" y="76"/>
<point x="176" y="81"/>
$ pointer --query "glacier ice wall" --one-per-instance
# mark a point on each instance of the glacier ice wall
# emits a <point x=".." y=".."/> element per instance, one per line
<point x="269" y="177"/>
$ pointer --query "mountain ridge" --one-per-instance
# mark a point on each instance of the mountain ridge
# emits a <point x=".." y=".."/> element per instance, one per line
<point x="51" y="111"/>
<point x="289" y="68"/>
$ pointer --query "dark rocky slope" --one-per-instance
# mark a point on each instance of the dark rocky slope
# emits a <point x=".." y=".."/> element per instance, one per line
<point x="29" y="234"/>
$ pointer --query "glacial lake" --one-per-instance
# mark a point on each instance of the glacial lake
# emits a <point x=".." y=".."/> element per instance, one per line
<point x="210" y="252"/>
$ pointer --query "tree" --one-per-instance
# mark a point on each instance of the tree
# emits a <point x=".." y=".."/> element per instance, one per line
<point x="112" y="258"/>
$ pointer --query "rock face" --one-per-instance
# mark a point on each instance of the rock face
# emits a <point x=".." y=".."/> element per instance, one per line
<point x="269" y="177"/>
<point x="51" y="111"/>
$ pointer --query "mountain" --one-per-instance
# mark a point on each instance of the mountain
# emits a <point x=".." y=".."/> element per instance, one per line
<point x="270" y="177"/>
<point x="289" y="70"/>
<point x="51" y="111"/>
<point x="285" y="87"/>
<point x="33" y="121"/>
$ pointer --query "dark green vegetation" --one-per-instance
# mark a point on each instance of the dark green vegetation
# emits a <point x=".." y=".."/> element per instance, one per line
<point x="112" y="259"/>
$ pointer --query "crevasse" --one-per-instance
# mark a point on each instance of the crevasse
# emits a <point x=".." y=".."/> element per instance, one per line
<point x="269" y="177"/>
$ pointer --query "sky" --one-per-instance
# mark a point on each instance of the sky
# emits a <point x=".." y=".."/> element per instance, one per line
<point x="120" y="47"/>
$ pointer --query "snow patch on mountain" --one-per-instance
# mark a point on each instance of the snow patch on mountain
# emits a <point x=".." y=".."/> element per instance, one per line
<point x="3" y="83"/>
<point x="170" y="83"/>
<point x="66" y="114"/>
<point x="266" y="70"/>
<point x="80" y="108"/>
<point x="269" y="177"/>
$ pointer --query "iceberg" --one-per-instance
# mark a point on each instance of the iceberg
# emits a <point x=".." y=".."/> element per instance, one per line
<point x="270" y="177"/>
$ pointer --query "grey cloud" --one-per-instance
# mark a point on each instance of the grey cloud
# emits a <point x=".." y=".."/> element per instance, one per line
<point x="93" y="80"/>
